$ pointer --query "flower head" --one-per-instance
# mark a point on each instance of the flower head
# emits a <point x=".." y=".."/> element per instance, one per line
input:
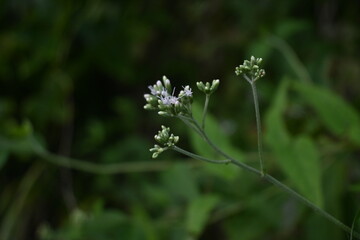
<point x="166" y="139"/>
<point x="251" y="69"/>
<point x="208" y="88"/>
<point x="162" y="98"/>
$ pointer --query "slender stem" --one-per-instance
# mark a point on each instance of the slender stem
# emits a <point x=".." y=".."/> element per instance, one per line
<point x="189" y="123"/>
<point x="192" y="155"/>
<point x="95" y="168"/>
<point x="270" y="179"/>
<point x="277" y="183"/>
<point x="205" y="111"/>
<point x="310" y="204"/>
<point x="258" y="126"/>
<point x="218" y="150"/>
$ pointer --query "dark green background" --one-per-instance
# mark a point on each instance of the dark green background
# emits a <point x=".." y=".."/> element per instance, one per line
<point x="73" y="75"/>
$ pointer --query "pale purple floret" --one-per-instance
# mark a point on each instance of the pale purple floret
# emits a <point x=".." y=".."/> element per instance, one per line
<point x="173" y="100"/>
<point x="152" y="90"/>
<point x="164" y="93"/>
<point x="187" y="91"/>
<point x="169" y="100"/>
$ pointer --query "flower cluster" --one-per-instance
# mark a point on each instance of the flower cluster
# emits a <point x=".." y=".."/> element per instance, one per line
<point x="166" y="139"/>
<point x="162" y="98"/>
<point x="251" y="69"/>
<point x="207" y="88"/>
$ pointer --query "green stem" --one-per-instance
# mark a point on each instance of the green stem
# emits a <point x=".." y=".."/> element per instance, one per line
<point x="258" y="126"/>
<point x="310" y="204"/>
<point x="107" y="168"/>
<point x="270" y="179"/>
<point x="189" y="122"/>
<point x="205" y="111"/>
<point x="218" y="150"/>
<point x="192" y="155"/>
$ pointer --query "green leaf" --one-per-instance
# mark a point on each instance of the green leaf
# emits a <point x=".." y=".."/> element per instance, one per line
<point x="355" y="187"/>
<point x="274" y="123"/>
<point x="297" y="157"/>
<point x="180" y="182"/>
<point x="336" y="114"/>
<point x="198" y="213"/>
<point x="305" y="170"/>
<point x="219" y="138"/>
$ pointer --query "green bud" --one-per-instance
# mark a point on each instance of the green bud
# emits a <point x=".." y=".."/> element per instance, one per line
<point x="214" y="85"/>
<point x="157" y="150"/>
<point x="166" y="139"/>
<point x="167" y="83"/>
<point x="149" y="107"/>
<point x="164" y="114"/>
<point x="201" y="86"/>
<point x="208" y="88"/>
<point x="252" y="60"/>
<point x="251" y="70"/>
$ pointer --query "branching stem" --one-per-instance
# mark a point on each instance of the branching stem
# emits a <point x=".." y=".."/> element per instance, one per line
<point x="264" y="176"/>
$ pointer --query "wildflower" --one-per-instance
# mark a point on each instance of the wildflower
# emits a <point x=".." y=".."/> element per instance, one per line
<point x="168" y="104"/>
<point x="251" y="69"/>
<point x="166" y="139"/>
<point x="187" y="91"/>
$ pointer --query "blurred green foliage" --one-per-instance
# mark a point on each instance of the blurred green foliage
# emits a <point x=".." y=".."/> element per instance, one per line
<point x="72" y="79"/>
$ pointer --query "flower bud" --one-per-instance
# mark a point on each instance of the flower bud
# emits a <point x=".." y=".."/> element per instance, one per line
<point x="251" y="69"/>
<point x="167" y="83"/>
<point x="214" y="85"/>
<point x="208" y="88"/>
<point x="200" y="86"/>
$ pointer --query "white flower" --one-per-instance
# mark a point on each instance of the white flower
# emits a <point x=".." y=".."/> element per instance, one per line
<point x="152" y="90"/>
<point x="169" y="100"/>
<point x="187" y="91"/>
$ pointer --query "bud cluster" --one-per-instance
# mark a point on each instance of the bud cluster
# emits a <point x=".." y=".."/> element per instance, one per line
<point x="166" y="139"/>
<point x="251" y="69"/>
<point x="162" y="98"/>
<point x="208" y="88"/>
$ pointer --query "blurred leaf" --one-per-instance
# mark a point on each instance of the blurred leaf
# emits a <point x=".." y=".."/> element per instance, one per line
<point x="259" y="48"/>
<point x="248" y="225"/>
<point x="129" y="148"/>
<point x="291" y="26"/>
<point x="142" y="222"/>
<point x="111" y="224"/>
<point x="3" y="158"/>
<point x="298" y="158"/>
<point x="336" y="114"/>
<point x="275" y="125"/>
<point x="355" y="187"/>
<point x="198" y="213"/>
<point x="318" y="228"/>
<point x="180" y="182"/>
<point x="355" y="224"/>
<point x="336" y="181"/>
<point x="17" y="130"/>
<point x="22" y="146"/>
<point x="218" y="137"/>
<point x="304" y="168"/>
